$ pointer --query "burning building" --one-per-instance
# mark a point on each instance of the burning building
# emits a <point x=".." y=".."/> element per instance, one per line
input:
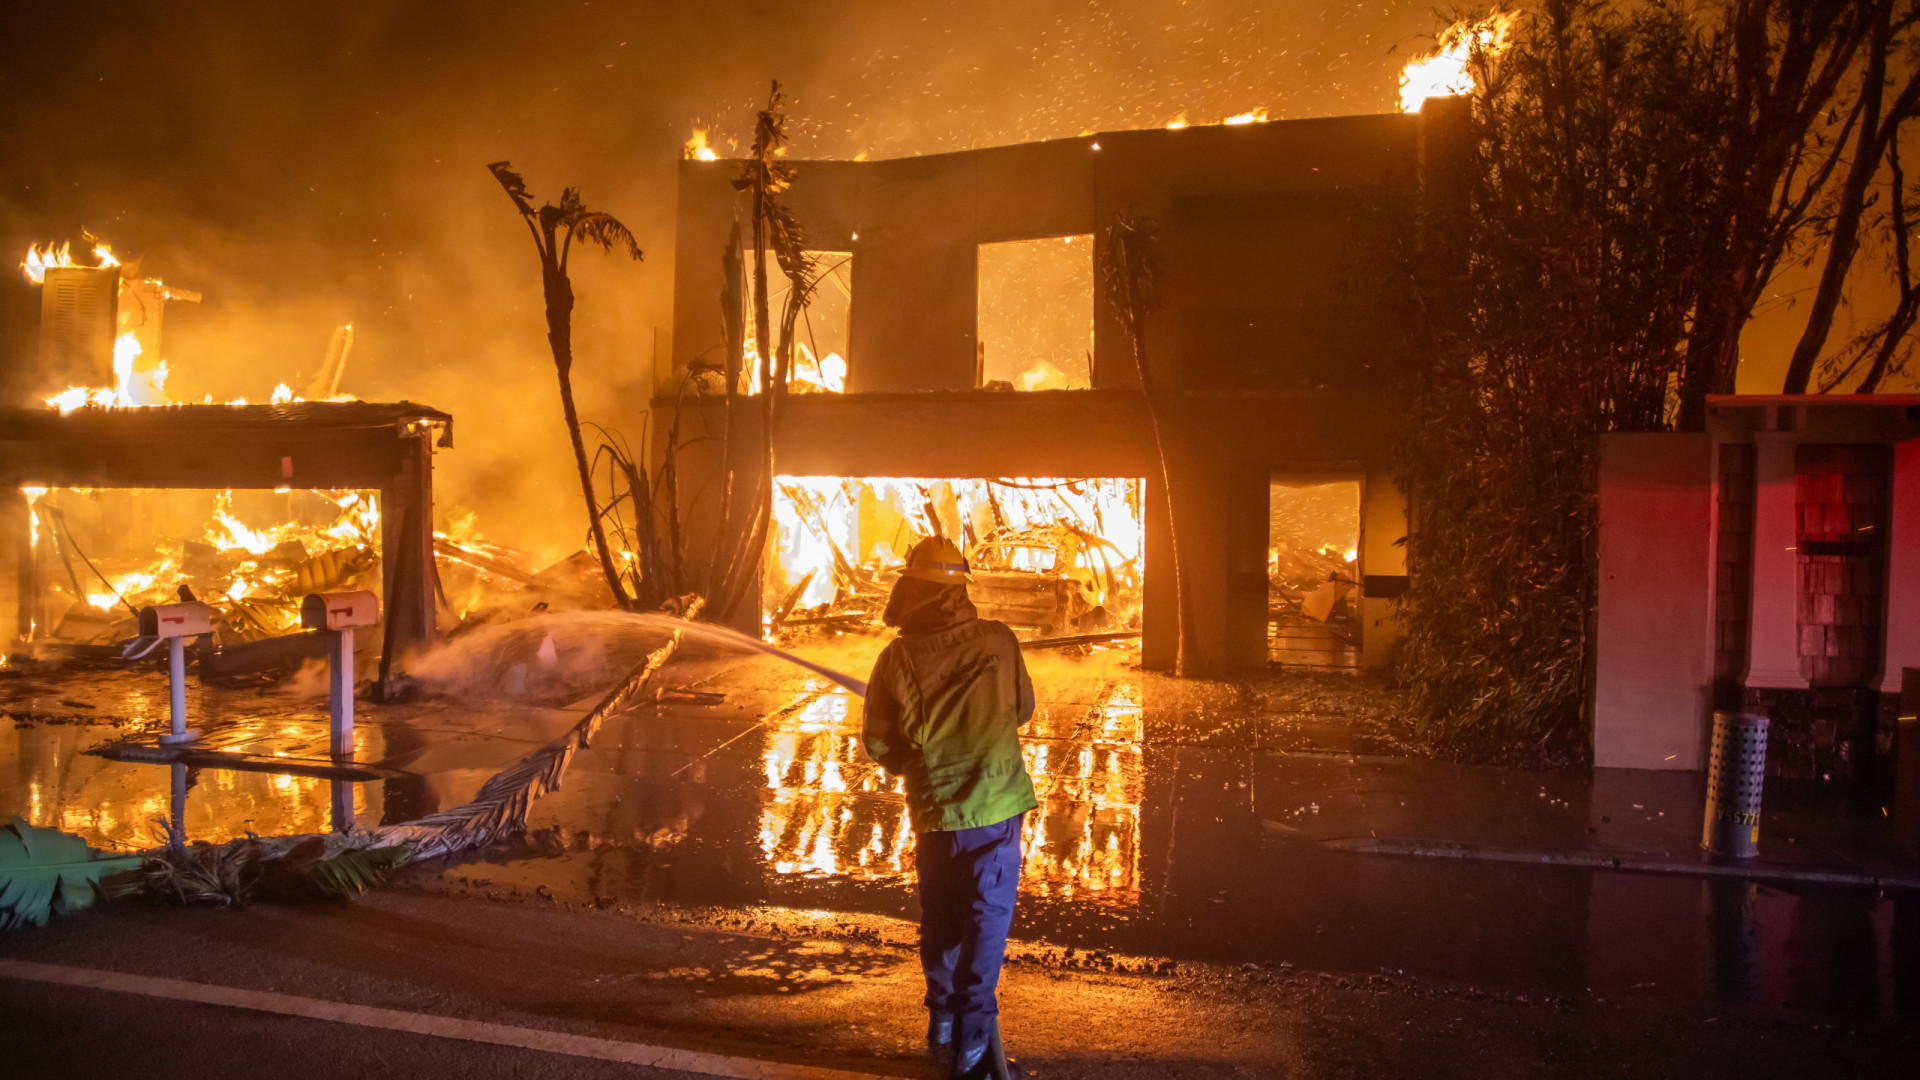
<point x="114" y="497"/>
<point x="961" y="373"/>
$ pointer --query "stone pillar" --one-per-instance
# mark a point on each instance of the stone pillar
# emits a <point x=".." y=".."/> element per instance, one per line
<point x="1900" y="615"/>
<point x="1773" y="652"/>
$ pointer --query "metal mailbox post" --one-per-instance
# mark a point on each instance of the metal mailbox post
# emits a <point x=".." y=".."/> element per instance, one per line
<point x="338" y="614"/>
<point x="174" y="624"/>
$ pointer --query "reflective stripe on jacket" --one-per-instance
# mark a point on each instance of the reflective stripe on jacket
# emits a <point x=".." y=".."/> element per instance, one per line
<point x="944" y="710"/>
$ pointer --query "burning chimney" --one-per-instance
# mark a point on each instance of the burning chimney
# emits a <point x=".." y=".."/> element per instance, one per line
<point x="142" y="302"/>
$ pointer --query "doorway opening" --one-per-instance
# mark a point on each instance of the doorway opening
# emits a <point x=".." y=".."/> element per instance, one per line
<point x="1313" y="551"/>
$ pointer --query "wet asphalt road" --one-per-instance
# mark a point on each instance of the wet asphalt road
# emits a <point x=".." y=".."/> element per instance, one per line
<point x="58" y="1031"/>
<point x="1190" y="821"/>
<point x="824" y="991"/>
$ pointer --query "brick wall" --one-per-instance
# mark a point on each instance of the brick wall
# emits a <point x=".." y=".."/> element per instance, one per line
<point x="1840" y="497"/>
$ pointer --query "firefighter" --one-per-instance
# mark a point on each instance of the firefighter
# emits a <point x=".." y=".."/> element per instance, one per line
<point x="944" y="710"/>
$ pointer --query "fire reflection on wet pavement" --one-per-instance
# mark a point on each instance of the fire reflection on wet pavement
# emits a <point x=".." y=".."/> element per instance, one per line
<point x="827" y="810"/>
<point x="1196" y="821"/>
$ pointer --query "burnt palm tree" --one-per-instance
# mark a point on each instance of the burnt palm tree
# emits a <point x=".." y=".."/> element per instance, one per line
<point x="554" y="230"/>
<point x="1131" y="263"/>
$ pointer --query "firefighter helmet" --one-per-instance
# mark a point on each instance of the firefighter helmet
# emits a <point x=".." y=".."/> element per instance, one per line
<point x="937" y="559"/>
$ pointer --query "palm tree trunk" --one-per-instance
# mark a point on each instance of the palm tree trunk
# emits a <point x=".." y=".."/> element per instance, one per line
<point x="560" y="340"/>
<point x="1139" y="337"/>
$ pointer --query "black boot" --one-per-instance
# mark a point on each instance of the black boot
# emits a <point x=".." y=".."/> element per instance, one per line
<point x="985" y="1061"/>
<point x="940" y="1042"/>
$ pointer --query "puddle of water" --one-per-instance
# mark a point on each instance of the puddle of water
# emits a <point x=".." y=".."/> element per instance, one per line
<point x="1167" y="850"/>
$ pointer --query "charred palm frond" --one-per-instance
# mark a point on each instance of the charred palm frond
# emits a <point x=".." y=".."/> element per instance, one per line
<point x="202" y="873"/>
<point x="306" y="872"/>
<point x="764" y="178"/>
<point x="554" y="230"/>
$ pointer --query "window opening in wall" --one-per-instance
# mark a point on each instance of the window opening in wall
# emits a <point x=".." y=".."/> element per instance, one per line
<point x="1035" y="318"/>
<point x="821" y="330"/>
<point x="1053" y="558"/>
<point x="1313" y="551"/>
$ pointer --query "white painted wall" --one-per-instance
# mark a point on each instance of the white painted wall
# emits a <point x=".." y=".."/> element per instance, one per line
<point x="1654" y="653"/>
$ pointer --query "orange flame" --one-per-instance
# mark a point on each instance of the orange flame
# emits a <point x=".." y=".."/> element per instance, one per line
<point x="39" y="260"/>
<point x="1447" y="72"/>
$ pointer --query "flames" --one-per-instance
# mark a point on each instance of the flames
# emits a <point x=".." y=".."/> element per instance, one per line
<point x="839" y="539"/>
<point x="811" y="374"/>
<point x="39" y="260"/>
<point x="253" y="574"/>
<point x="697" y="148"/>
<point x="133" y="386"/>
<point x="1448" y="71"/>
<point x="127" y="390"/>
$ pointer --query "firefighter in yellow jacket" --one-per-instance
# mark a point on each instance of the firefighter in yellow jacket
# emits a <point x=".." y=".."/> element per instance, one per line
<point x="944" y="709"/>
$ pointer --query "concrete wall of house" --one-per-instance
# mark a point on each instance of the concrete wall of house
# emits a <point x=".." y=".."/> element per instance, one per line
<point x="1653" y="656"/>
<point x="1220" y="488"/>
<point x="1268" y="359"/>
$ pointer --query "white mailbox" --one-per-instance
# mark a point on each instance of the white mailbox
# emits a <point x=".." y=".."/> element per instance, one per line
<point x="338" y="614"/>
<point x="190" y="619"/>
<point x="339" y="611"/>
<point x="174" y="624"/>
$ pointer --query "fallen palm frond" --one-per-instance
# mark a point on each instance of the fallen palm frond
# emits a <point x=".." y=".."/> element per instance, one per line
<point x="44" y="871"/>
<point x="306" y="873"/>
<point x="501" y="805"/>
<point x="203" y="873"/>
<point x="281" y="869"/>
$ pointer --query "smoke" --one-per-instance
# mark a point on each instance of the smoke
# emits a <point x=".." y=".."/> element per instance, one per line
<point x="552" y="658"/>
<point x="305" y="166"/>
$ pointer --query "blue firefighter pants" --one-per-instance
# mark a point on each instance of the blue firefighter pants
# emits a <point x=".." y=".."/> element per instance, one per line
<point x="968" y="880"/>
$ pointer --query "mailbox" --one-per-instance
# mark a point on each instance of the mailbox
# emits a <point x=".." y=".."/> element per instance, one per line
<point x="190" y="619"/>
<point x="339" y="611"/>
<point x="173" y="624"/>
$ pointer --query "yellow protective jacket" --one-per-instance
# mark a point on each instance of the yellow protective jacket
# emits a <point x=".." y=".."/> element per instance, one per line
<point x="944" y="710"/>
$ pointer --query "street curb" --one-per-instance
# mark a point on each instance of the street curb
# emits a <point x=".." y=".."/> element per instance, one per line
<point x="1594" y="860"/>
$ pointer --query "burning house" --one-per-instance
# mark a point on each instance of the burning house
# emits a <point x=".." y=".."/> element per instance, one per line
<point x="114" y="497"/>
<point x="960" y="372"/>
